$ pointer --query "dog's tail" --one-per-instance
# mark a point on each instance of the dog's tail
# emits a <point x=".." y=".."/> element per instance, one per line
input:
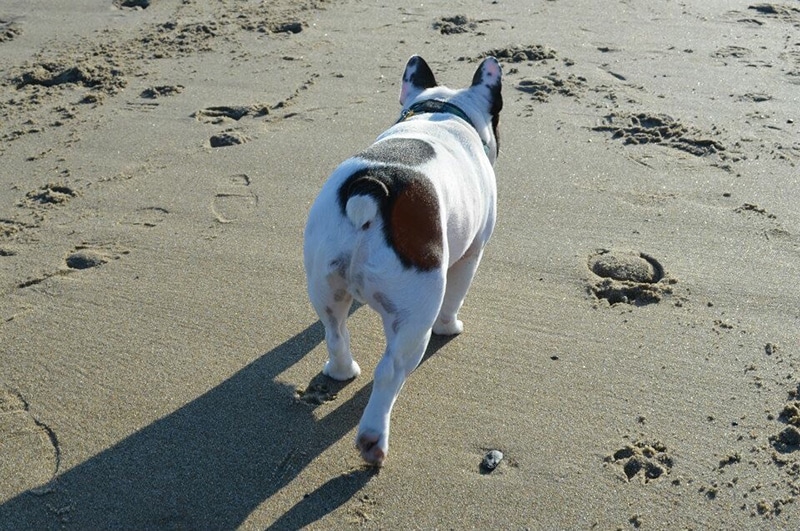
<point x="366" y="195"/>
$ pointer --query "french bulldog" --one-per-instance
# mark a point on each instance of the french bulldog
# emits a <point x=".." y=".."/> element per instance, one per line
<point x="401" y="227"/>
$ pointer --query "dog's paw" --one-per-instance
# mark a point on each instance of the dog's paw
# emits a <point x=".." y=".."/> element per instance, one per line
<point x="449" y="328"/>
<point x="373" y="447"/>
<point x="341" y="372"/>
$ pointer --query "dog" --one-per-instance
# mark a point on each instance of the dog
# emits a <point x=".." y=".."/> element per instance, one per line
<point x="401" y="227"/>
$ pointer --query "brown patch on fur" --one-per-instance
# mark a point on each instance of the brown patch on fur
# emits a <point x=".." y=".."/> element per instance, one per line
<point x="415" y="226"/>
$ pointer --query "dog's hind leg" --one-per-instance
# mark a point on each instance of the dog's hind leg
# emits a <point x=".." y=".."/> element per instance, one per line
<point x="459" y="279"/>
<point x="332" y="302"/>
<point x="403" y="354"/>
<point x="408" y="330"/>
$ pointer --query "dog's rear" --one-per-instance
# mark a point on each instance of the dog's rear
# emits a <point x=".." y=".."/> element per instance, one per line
<point x="401" y="227"/>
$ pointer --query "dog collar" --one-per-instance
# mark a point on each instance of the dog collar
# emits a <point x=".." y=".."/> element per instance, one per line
<point x="439" y="106"/>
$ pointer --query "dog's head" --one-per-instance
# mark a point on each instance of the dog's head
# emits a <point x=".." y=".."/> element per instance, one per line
<point x="481" y="102"/>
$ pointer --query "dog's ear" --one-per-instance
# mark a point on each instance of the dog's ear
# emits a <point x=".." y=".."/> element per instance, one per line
<point x="416" y="78"/>
<point x="489" y="76"/>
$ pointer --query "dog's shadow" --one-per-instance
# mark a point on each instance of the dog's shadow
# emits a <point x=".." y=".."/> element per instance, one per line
<point x="210" y="463"/>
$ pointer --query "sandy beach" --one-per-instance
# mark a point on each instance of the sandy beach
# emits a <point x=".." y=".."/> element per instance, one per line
<point x="632" y="337"/>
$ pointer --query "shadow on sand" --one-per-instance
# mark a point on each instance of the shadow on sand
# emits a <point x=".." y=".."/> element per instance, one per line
<point x="210" y="463"/>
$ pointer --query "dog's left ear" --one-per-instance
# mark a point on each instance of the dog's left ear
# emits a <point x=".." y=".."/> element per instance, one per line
<point x="489" y="77"/>
<point x="416" y="78"/>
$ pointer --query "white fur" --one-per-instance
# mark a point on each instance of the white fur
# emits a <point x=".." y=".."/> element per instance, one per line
<point x="361" y="210"/>
<point x="347" y="257"/>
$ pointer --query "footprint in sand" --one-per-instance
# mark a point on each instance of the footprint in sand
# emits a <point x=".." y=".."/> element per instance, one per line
<point x="456" y="24"/>
<point x="89" y="255"/>
<point x="315" y="394"/>
<point x="10" y="228"/>
<point x="234" y="200"/>
<point x="628" y="276"/>
<point x="646" y="460"/>
<point x="519" y="54"/>
<point x="542" y="88"/>
<point x="159" y="91"/>
<point x="146" y="217"/>
<point x="30" y="449"/>
<point x="84" y="256"/>
<point x="230" y="137"/>
<point x="51" y="194"/>
<point x="132" y="4"/>
<point x="221" y="114"/>
<point x="320" y="389"/>
<point x="8" y="30"/>
<point x="648" y="128"/>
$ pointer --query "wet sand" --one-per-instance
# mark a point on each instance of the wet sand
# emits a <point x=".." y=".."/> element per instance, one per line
<point x="631" y="338"/>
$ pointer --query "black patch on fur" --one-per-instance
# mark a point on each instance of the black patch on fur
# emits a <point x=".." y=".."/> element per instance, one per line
<point x="365" y="184"/>
<point x="408" y="151"/>
<point x="409" y="211"/>
<point x="423" y="75"/>
<point x="497" y="106"/>
<point x="477" y="77"/>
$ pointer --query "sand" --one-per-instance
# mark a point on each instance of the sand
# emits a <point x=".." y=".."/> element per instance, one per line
<point x="161" y="362"/>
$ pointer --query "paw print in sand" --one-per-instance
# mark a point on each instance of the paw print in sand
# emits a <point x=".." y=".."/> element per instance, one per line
<point x="646" y="460"/>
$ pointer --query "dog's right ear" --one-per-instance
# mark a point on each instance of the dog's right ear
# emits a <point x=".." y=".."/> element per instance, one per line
<point x="416" y="78"/>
